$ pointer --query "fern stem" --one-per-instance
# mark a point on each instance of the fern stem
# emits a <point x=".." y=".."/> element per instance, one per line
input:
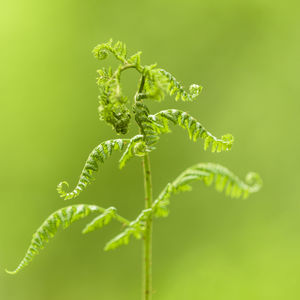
<point x="122" y="220"/>
<point x="142" y="83"/>
<point x="148" y="232"/>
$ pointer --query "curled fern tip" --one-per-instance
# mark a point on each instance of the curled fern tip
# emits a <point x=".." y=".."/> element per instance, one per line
<point x="255" y="181"/>
<point x="60" y="189"/>
<point x="10" y="272"/>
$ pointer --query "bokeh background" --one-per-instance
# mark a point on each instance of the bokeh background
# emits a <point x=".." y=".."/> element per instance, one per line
<point x="245" y="54"/>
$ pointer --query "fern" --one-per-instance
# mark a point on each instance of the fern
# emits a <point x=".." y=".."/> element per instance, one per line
<point x="116" y="110"/>
<point x="63" y="217"/>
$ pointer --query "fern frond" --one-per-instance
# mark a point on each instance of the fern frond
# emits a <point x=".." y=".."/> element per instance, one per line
<point x="118" y="50"/>
<point x="195" y="129"/>
<point x="155" y="84"/>
<point x="112" y="103"/>
<point x="175" y="88"/>
<point x="98" y="155"/>
<point x="221" y="178"/>
<point x="159" y="81"/>
<point x="136" y="228"/>
<point x="65" y="217"/>
<point x="210" y="174"/>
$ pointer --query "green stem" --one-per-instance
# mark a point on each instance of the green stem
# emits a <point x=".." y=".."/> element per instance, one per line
<point x="147" y="294"/>
<point x="122" y="220"/>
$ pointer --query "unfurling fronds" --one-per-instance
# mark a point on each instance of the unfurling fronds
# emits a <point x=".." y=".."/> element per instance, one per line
<point x="195" y="129"/>
<point x="118" y="50"/>
<point x="98" y="155"/>
<point x="117" y="111"/>
<point x="112" y="103"/>
<point x="156" y="83"/>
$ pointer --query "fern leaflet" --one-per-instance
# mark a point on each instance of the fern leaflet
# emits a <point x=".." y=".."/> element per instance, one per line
<point x="210" y="174"/>
<point x="159" y="81"/>
<point x="98" y="155"/>
<point x="195" y="129"/>
<point x="175" y="88"/>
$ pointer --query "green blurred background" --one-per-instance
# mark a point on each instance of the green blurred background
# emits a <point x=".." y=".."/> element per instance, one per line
<point x="245" y="54"/>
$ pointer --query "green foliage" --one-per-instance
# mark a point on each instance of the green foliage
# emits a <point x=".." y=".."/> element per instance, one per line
<point x="155" y="83"/>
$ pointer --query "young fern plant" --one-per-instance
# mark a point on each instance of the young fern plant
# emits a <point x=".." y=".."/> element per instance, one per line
<point x="114" y="108"/>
